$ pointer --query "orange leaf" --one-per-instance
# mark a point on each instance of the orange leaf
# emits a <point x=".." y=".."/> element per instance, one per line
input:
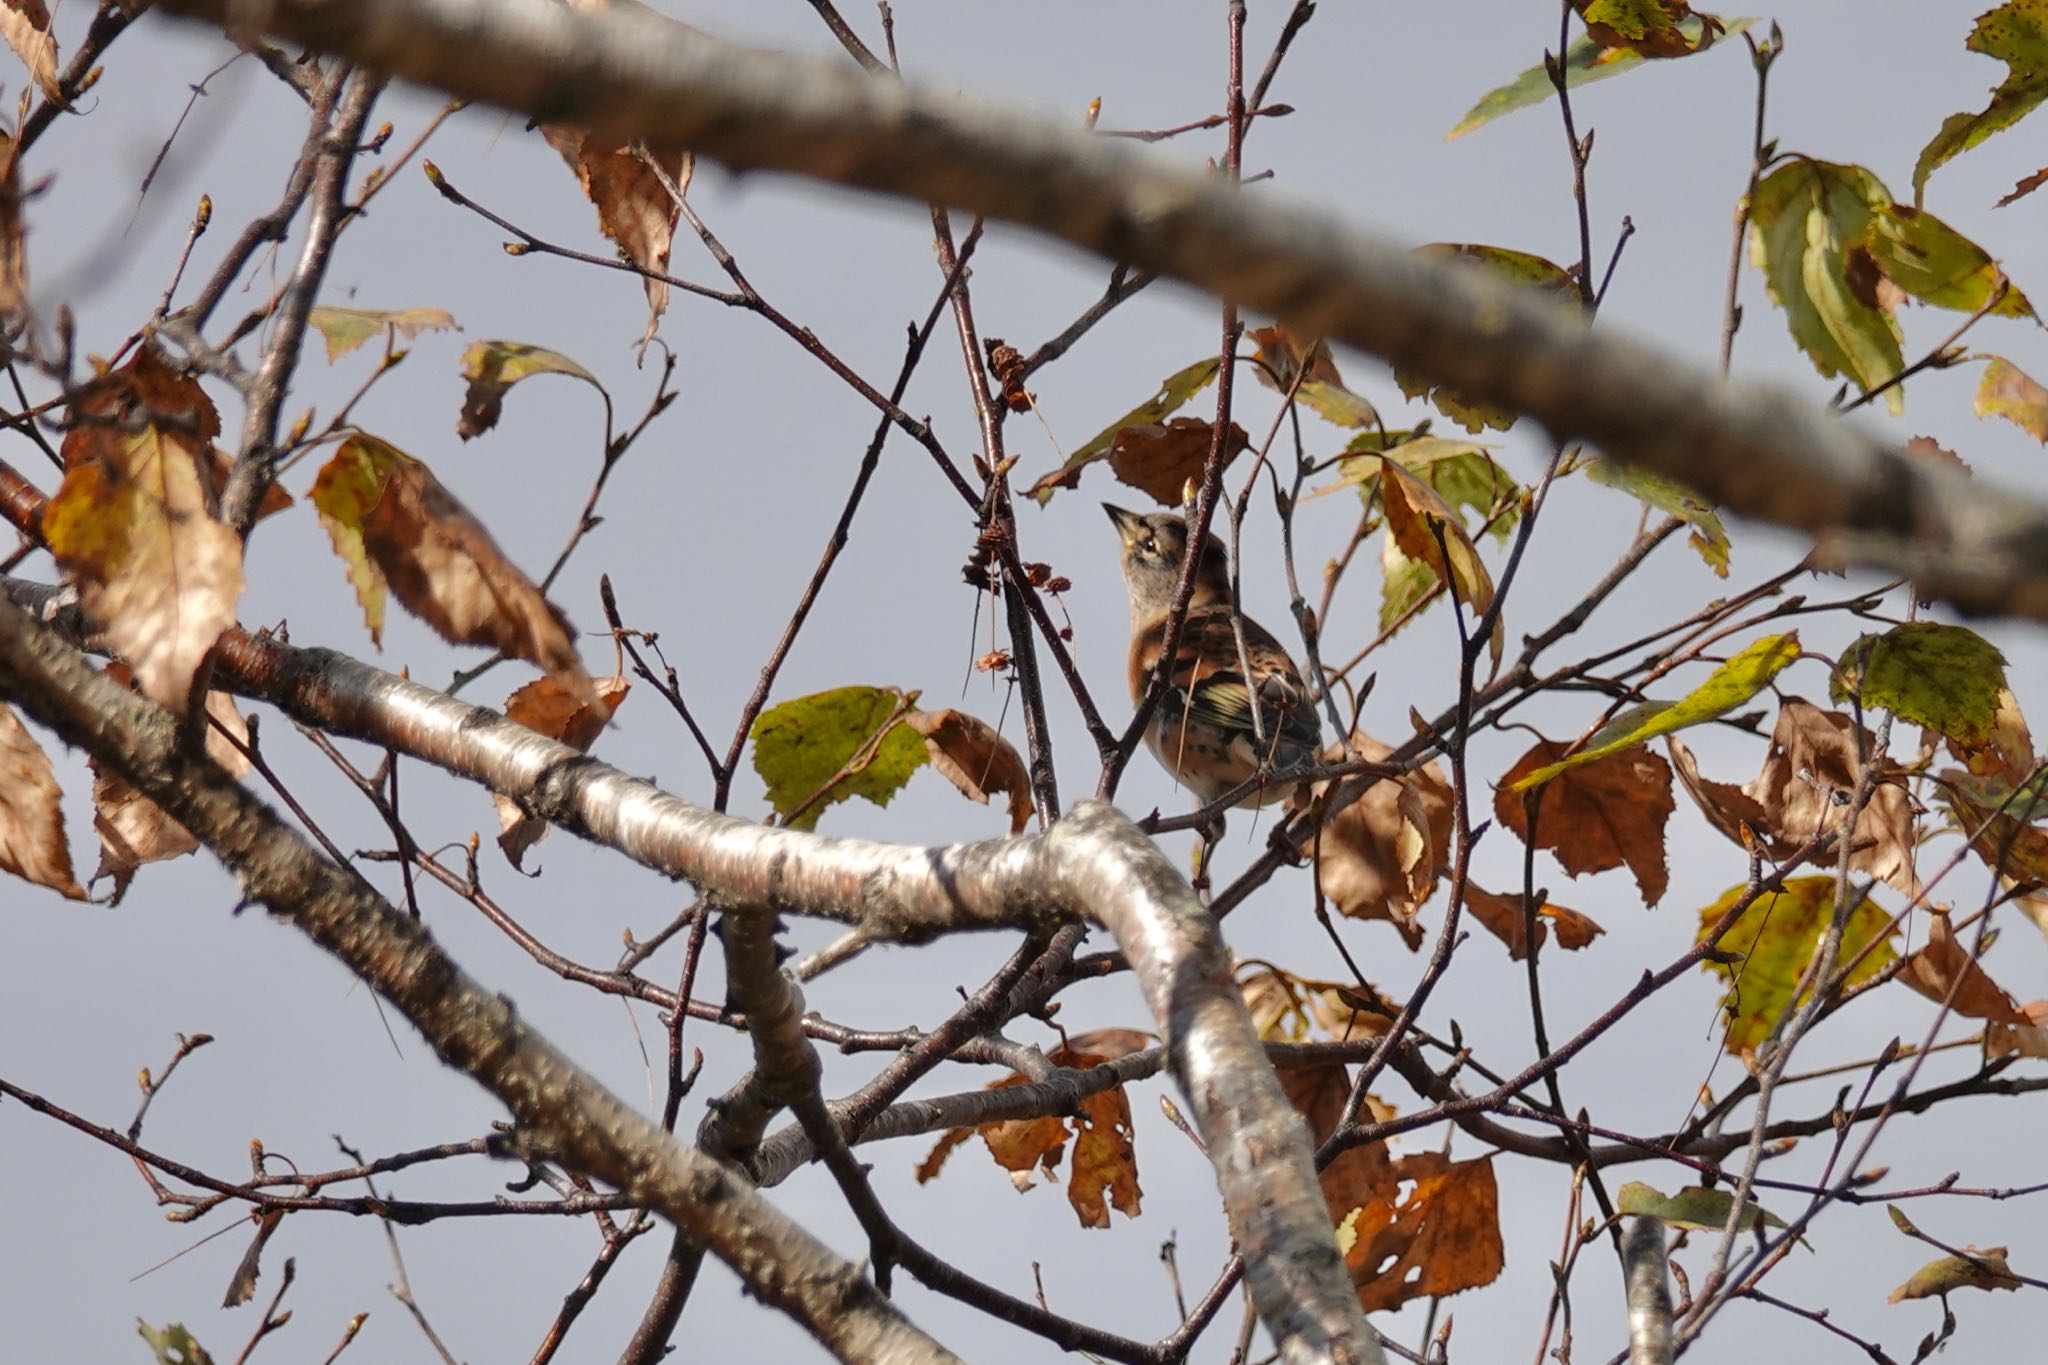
<point x="1160" y="459"/>
<point x="1945" y="966"/>
<point x="1441" y="1237"/>
<point x="566" y="716"/>
<point x="1504" y="918"/>
<point x="1598" y="815"/>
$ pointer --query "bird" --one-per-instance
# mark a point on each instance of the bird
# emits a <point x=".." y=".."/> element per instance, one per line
<point x="1203" y="730"/>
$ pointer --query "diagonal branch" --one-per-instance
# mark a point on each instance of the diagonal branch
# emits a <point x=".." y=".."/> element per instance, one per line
<point x="561" y="1110"/>
<point x="1094" y="860"/>
<point x="1759" y="451"/>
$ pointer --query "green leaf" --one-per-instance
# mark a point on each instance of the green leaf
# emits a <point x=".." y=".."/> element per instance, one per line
<point x="1174" y="392"/>
<point x="2009" y="392"/>
<point x="1938" y="1279"/>
<point x="1708" y="536"/>
<point x="348" y="328"/>
<point x="1806" y="219"/>
<point x="2015" y="33"/>
<point x="816" y="751"/>
<point x="1774" y="939"/>
<point x="1585" y="61"/>
<point x="1692" y="1207"/>
<point x="491" y="367"/>
<point x="1936" y="264"/>
<point x="173" y="1345"/>
<point x="1726" y="688"/>
<point x="1947" y="678"/>
<point x="1403" y="582"/>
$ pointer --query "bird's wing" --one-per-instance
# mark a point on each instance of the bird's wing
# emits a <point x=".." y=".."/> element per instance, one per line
<point x="1208" y="684"/>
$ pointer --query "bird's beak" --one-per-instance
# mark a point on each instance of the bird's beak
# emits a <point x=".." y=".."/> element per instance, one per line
<point x="1128" y="524"/>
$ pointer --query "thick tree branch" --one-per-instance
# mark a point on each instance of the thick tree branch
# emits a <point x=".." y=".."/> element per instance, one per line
<point x="1761" y="452"/>
<point x="561" y="1110"/>
<point x="1093" y="861"/>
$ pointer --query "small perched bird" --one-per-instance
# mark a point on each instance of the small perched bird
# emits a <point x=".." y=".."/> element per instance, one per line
<point x="1203" y="729"/>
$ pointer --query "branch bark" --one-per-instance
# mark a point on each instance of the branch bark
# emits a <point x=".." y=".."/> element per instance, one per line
<point x="1093" y="861"/>
<point x="1758" y="451"/>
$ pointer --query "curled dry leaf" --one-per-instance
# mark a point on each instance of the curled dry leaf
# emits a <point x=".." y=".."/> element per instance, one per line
<point x="1380" y="857"/>
<point x="1416" y="513"/>
<point x="634" y="208"/>
<point x="26" y="26"/>
<point x="1728" y="808"/>
<point x="32" y="842"/>
<point x="345" y="329"/>
<point x="1160" y="458"/>
<point x="1104" y="1169"/>
<point x="134" y="527"/>
<point x="1605" y="814"/>
<point x="566" y="716"/>
<point x="13" y="247"/>
<point x="492" y="367"/>
<point x="395" y="525"/>
<point x="968" y="752"/>
<point x="1944" y="972"/>
<point x="1813" y="761"/>
<point x="2019" y="1040"/>
<point x="1440" y="1237"/>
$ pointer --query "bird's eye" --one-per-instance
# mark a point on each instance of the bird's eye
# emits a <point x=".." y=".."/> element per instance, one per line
<point x="1151" y="545"/>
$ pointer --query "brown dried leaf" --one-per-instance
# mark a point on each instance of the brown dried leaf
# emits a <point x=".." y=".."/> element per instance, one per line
<point x="634" y="207"/>
<point x="1944" y="965"/>
<point x="393" y="523"/>
<point x="2022" y="1040"/>
<point x="32" y="842"/>
<point x="1727" y="807"/>
<point x="1104" y="1171"/>
<point x="1380" y="857"/>
<point x="13" y="249"/>
<point x="1504" y="917"/>
<point x="1811" y="759"/>
<point x="133" y="524"/>
<point x="1360" y="1175"/>
<point x="2027" y="185"/>
<point x="25" y="24"/>
<point x="968" y="752"/>
<point x="1598" y="815"/>
<point x="566" y="716"/>
<point x="1160" y="458"/>
<point x="1442" y="1237"/>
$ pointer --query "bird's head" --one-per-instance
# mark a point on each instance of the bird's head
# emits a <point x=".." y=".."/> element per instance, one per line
<point x="1155" y="544"/>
